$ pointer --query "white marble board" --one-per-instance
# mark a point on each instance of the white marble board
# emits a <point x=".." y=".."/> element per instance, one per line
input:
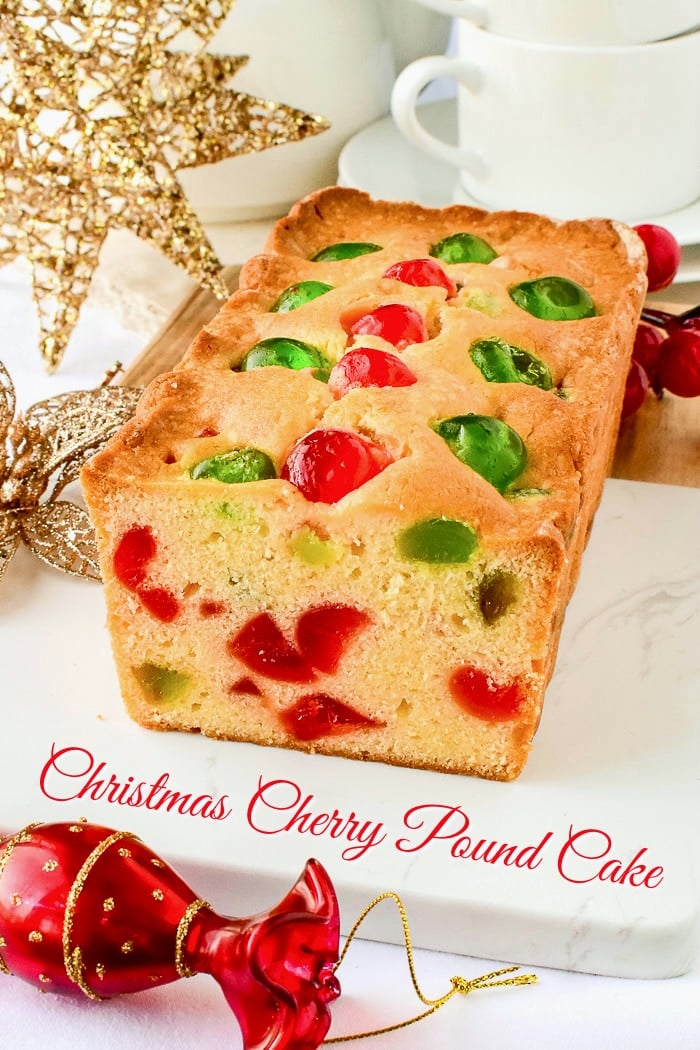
<point x="596" y="844"/>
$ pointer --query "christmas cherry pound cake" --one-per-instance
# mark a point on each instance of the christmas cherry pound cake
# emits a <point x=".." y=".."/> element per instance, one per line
<point x="351" y="519"/>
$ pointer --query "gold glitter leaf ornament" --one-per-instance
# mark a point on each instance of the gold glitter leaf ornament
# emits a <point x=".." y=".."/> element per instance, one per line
<point x="41" y="452"/>
<point x="96" y="116"/>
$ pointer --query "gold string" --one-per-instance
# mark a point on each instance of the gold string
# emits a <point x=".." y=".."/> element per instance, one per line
<point x="494" y="979"/>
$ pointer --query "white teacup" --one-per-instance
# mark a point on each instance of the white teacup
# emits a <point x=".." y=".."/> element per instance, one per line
<point x="565" y="130"/>
<point x="336" y="59"/>
<point x="581" y="22"/>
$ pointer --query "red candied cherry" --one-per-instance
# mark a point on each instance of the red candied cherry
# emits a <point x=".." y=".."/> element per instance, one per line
<point x="679" y="363"/>
<point x="477" y="693"/>
<point x="160" y="603"/>
<point x="136" y="548"/>
<point x="663" y="255"/>
<point x="422" y="273"/>
<point x="319" y="714"/>
<point x="636" y="387"/>
<point x="327" y="464"/>
<point x="394" y="322"/>
<point x="262" y="647"/>
<point x="365" y="366"/>
<point x="645" y="351"/>
<point x="324" y="633"/>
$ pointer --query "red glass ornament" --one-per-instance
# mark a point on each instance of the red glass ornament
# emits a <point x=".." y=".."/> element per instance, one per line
<point x="85" y="909"/>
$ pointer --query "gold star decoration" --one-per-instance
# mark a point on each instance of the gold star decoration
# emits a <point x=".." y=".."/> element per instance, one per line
<point x="41" y="452"/>
<point x="97" y="113"/>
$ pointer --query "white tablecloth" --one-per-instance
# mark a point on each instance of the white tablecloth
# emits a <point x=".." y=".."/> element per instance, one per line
<point x="134" y="291"/>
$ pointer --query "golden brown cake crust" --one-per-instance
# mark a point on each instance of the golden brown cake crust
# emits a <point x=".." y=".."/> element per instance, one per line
<point x="225" y="555"/>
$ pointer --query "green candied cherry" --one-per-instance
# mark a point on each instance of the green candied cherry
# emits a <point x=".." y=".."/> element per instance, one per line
<point x="501" y="362"/>
<point x="463" y="248"/>
<point x="345" y="250"/>
<point x="298" y="295"/>
<point x="440" y="541"/>
<point x="553" y="299"/>
<point x="487" y="445"/>
<point x="235" y="467"/>
<point x="287" y="353"/>
<point x="497" y="593"/>
<point x="161" y="683"/>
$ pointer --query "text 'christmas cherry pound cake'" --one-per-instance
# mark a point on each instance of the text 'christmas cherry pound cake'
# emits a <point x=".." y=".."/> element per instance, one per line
<point x="350" y="520"/>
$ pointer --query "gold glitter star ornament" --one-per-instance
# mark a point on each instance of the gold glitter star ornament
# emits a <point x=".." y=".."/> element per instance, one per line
<point x="97" y="114"/>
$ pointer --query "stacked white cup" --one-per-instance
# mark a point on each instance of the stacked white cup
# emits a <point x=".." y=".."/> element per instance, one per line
<point x="568" y="107"/>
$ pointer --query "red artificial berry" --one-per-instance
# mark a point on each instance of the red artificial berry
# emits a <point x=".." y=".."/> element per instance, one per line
<point x="663" y="255"/>
<point x="323" y="633"/>
<point x="394" y="322"/>
<point x="327" y="464"/>
<point x="679" y="363"/>
<point x="645" y="352"/>
<point x="365" y="366"/>
<point x="479" y="695"/>
<point x="159" y="602"/>
<point x="319" y="715"/>
<point x="136" y="548"/>
<point x="636" y="387"/>
<point x="262" y="647"/>
<point x="423" y="273"/>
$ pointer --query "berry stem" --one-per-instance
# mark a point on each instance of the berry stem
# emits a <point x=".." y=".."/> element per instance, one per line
<point x="664" y="319"/>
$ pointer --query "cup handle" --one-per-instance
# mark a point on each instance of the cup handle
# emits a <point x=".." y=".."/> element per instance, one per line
<point x="404" y="97"/>
<point x="469" y="9"/>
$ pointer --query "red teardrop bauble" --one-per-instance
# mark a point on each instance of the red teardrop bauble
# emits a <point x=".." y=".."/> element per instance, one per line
<point x="85" y="909"/>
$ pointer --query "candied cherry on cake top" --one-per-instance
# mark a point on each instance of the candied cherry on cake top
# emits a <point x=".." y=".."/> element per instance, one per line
<point x="366" y="366"/>
<point x="422" y="273"/>
<point x="286" y="353"/>
<point x="299" y="294"/>
<point x="463" y="248"/>
<point x="345" y="250"/>
<point x="235" y="467"/>
<point x="663" y="255"/>
<point x="477" y="693"/>
<point x="553" y="299"/>
<point x="393" y="322"/>
<point x="679" y="362"/>
<point x="487" y="445"/>
<point x="328" y="463"/>
<point x="502" y="362"/>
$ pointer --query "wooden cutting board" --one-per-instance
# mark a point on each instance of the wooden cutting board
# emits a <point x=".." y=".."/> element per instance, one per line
<point x="660" y="443"/>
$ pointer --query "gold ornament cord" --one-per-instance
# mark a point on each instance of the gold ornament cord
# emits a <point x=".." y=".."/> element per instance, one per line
<point x="495" y="979"/>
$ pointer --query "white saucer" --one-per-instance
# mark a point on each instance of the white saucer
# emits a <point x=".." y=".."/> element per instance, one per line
<point x="381" y="161"/>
